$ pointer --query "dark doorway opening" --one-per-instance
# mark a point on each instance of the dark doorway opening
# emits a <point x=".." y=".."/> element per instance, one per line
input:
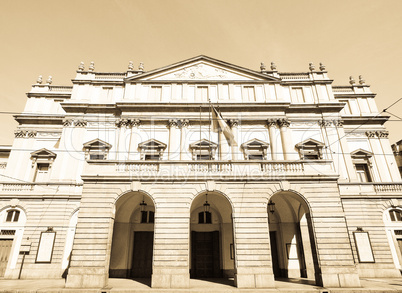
<point x="205" y="260"/>
<point x="142" y="255"/>
<point x="274" y="253"/>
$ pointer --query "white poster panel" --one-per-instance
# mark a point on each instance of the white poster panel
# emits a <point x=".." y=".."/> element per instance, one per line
<point x="363" y="246"/>
<point x="45" y="249"/>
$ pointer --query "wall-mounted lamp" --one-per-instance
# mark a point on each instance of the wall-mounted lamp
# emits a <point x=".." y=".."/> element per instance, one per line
<point x="207" y="206"/>
<point x="143" y="205"/>
<point x="271" y="206"/>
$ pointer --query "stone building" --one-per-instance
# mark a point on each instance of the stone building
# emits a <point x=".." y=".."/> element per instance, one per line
<point x="200" y="169"/>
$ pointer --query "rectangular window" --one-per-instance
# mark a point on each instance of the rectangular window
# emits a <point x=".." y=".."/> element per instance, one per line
<point x="156" y="93"/>
<point x="249" y="93"/>
<point x="152" y="157"/>
<point x="203" y="157"/>
<point x="144" y="217"/>
<point x="202" y="93"/>
<point x="42" y="172"/>
<point x="96" y="156"/>
<point x="151" y="217"/>
<point x="298" y="94"/>
<point x="363" y="173"/>
<point x="256" y="157"/>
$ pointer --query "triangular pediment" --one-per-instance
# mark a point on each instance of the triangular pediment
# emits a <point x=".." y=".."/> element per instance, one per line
<point x="202" y="68"/>
<point x="203" y="143"/>
<point x="361" y="153"/>
<point x="97" y="144"/>
<point x="43" y="153"/>
<point x="152" y="144"/>
<point x="310" y="143"/>
<point x="255" y="143"/>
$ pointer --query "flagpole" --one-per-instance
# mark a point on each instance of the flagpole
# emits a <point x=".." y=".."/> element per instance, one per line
<point x="209" y="129"/>
<point x="200" y="137"/>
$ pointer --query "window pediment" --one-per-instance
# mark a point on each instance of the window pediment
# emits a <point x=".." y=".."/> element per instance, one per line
<point x="255" y="149"/>
<point x="151" y="149"/>
<point x="152" y="144"/>
<point x="361" y="154"/>
<point x="97" y="144"/>
<point x="310" y="149"/>
<point x="43" y="154"/>
<point x="203" y="149"/>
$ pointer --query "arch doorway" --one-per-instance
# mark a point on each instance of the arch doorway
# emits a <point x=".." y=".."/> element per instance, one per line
<point x="292" y="240"/>
<point x="133" y="235"/>
<point x="211" y="249"/>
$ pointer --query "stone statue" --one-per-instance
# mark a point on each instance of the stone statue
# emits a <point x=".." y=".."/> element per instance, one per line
<point x="273" y="66"/>
<point x="141" y="67"/>
<point x="311" y="66"/>
<point x="322" y="67"/>
<point x="351" y="80"/>
<point x="263" y="67"/>
<point x="81" y="67"/>
<point x="91" y="66"/>
<point x="49" y="80"/>
<point x="361" y="80"/>
<point x="39" y="80"/>
<point x="130" y="65"/>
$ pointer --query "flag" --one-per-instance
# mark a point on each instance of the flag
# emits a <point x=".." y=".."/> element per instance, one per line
<point x="219" y="124"/>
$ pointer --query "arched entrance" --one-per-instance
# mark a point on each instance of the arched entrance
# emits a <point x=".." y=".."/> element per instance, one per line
<point x="211" y="249"/>
<point x="133" y="236"/>
<point x="293" y="246"/>
<point x="393" y="225"/>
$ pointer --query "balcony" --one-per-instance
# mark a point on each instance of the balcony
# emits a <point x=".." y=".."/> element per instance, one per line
<point x="43" y="189"/>
<point x="182" y="170"/>
<point x="370" y="188"/>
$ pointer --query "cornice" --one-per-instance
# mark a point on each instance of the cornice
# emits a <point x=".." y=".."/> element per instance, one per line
<point x="368" y="120"/>
<point x="39" y="119"/>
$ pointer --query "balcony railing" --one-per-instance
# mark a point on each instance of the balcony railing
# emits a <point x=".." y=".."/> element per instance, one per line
<point x="182" y="169"/>
<point x="353" y="188"/>
<point x="42" y="188"/>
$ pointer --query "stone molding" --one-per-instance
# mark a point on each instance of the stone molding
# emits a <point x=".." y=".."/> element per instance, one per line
<point x="75" y="122"/>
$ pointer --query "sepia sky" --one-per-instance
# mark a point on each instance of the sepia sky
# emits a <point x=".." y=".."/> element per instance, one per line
<point x="352" y="37"/>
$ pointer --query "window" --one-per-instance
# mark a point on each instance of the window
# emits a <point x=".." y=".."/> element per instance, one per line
<point x="42" y="172"/>
<point x="363" y="173"/>
<point x="310" y="149"/>
<point x="249" y="93"/>
<point x="156" y="93"/>
<point x="201" y="93"/>
<point x="255" y="149"/>
<point x="147" y="217"/>
<point x="152" y="149"/>
<point x="13" y="216"/>
<point x="42" y="161"/>
<point x="96" y="149"/>
<point x="395" y="215"/>
<point x="298" y="95"/>
<point x="203" y="150"/>
<point x="204" y="218"/>
<point x="362" y="162"/>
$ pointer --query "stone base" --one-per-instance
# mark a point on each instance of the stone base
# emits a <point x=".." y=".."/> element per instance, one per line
<point x="170" y="281"/>
<point x="86" y="280"/>
<point x="244" y="281"/>
<point x="336" y="280"/>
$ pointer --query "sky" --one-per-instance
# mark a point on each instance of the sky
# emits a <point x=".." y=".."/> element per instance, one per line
<point x="350" y="38"/>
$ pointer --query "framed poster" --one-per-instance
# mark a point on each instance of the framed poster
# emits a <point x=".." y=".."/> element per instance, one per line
<point x="45" y="249"/>
<point x="363" y="246"/>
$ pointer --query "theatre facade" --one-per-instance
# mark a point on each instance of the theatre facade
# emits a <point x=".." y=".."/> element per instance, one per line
<point x="200" y="169"/>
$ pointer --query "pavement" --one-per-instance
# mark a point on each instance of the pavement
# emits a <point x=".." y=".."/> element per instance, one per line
<point x="196" y="286"/>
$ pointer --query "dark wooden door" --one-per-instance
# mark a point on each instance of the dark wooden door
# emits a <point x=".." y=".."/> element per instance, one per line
<point x="205" y="260"/>
<point x="5" y="248"/>
<point x="274" y="254"/>
<point x="142" y="255"/>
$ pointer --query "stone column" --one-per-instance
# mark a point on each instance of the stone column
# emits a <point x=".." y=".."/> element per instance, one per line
<point x="271" y="123"/>
<point x="389" y="155"/>
<point x="380" y="171"/>
<point x="347" y="171"/>
<point x="174" y="140"/>
<point x="288" y="148"/>
<point x="123" y="139"/>
<point x="184" y="124"/>
<point x="233" y="123"/>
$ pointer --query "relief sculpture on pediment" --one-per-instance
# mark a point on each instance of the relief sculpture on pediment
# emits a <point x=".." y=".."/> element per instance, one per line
<point x="201" y="72"/>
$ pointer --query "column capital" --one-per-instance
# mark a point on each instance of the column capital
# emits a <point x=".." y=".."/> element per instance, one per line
<point x="324" y="123"/>
<point x="272" y="122"/>
<point x="128" y="123"/>
<point x="382" y="134"/>
<point x="338" y="123"/>
<point x="283" y="122"/>
<point x="184" y="123"/>
<point x="370" y="133"/>
<point x="173" y="123"/>
<point x="233" y="123"/>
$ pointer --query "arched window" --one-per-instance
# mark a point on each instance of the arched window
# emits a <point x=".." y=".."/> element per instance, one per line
<point x="12" y="216"/>
<point x="395" y="215"/>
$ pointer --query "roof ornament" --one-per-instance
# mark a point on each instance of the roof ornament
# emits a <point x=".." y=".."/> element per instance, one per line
<point x="39" y="80"/>
<point x="141" y="66"/>
<point x="91" y="66"/>
<point x="273" y="66"/>
<point x="81" y="67"/>
<point x="311" y="66"/>
<point x="49" y="80"/>
<point x="351" y="80"/>
<point x="361" y="80"/>
<point x="263" y="67"/>
<point x="130" y="65"/>
<point x="322" y="67"/>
